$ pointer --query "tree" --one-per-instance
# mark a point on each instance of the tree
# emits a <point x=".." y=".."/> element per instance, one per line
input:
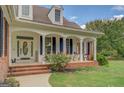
<point x="113" y="40"/>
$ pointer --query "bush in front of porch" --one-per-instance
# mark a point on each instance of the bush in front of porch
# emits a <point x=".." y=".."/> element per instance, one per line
<point x="102" y="60"/>
<point x="58" y="61"/>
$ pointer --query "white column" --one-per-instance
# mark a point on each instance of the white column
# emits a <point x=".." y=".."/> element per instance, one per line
<point x="64" y="45"/>
<point x="43" y="48"/>
<point x="39" y="50"/>
<point x="81" y="50"/>
<point x="43" y="44"/>
<point x="95" y="49"/>
<point x="74" y="45"/>
<point x="10" y="44"/>
<point x="57" y="44"/>
<point x="85" y="50"/>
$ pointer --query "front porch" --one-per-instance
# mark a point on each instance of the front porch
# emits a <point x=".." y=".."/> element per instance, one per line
<point x="31" y="47"/>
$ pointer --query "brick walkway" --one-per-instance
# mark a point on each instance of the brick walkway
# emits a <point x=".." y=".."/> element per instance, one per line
<point x="40" y="80"/>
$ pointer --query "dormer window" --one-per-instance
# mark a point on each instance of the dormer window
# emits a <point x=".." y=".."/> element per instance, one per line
<point x="57" y="15"/>
<point x="25" y="11"/>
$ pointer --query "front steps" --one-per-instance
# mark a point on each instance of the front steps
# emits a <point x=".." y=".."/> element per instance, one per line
<point x="20" y="70"/>
<point x="28" y="70"/>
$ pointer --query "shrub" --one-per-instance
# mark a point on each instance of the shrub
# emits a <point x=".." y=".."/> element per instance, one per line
<point x="57" y="61"/>
<point x="109" y="53"/>
<point x="12" y="82"/>
<point x="102" y="60"/>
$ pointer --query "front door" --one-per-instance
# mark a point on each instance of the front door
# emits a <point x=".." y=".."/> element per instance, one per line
<point x="25" y="50"/>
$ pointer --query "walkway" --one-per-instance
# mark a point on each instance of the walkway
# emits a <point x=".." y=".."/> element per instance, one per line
<point x="40" y="80"/>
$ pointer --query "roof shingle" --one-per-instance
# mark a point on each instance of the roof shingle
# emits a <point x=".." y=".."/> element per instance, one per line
<point x="40" y="14"/>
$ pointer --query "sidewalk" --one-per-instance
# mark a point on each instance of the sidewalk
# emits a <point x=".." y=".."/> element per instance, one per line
<point x="40" y="80"/>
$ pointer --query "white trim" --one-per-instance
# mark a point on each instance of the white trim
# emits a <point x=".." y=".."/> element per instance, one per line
<point x="60" y="27"/>
<point x="81" y="50"/>
<point x="95" y="49"/>
<point x="85" y="50"/>
<point x="10" y="43"/>
<point x="64" y="45"/>
<point x="39" y="58"/>
<point x="57" y="44"/>
<point x="14" y="11"/>
<point x="43" y="48"/>
<point x="46" y="32"/>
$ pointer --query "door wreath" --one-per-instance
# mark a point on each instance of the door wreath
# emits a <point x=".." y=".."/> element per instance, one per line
<point x="25" y="48"/>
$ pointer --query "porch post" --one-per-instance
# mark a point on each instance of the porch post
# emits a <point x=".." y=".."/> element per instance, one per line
<point x="85" y="50"/>
<point x="81" y="50"/>
<point x="95" y="49"/>
<point x="43" y="40"/>
<point x="57" y="45"/>
<point x="64" y="45"/>
<point x="10" y="44"/>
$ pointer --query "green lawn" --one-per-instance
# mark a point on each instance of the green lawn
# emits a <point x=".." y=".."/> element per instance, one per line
<point x="112" y="76"/>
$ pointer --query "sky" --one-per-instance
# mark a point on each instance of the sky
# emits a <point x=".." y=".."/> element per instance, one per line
<point x="81" y="14"/>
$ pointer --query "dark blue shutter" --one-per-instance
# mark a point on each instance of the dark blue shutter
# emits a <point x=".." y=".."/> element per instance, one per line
<point x="54" y="45"/>
<point x="1" y="32"/>
<point x="61" y="45"/>
<point x="88" y="51"/>
<point x="41" y="44"/>
<point x="71" y="46"/>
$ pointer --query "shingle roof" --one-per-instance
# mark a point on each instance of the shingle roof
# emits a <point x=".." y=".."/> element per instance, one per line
<point x="40" y="14"/>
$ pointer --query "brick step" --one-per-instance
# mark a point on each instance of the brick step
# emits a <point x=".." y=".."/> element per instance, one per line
<point x="28" y="72"/>
<point x="16" y="69"/>
<point x="31" y="65"/>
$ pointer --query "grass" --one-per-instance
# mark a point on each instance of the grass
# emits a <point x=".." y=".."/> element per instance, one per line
<point x="112" y="76"/>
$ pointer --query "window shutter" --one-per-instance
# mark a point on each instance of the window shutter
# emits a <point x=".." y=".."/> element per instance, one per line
<point x="1" y="32"/>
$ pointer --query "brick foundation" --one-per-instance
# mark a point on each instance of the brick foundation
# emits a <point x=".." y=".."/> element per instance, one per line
<point x="3" y="69"/>
<point x="81" y="64"/>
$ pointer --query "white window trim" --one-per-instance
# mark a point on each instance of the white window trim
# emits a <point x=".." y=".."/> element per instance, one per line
<point x="30" y="17"/>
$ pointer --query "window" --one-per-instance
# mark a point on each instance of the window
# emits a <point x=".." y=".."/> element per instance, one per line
<point x="57" y="15"/>
<point x="1" y="32"/>
<point x="25" y="10"/>
<point x="50" y="45"/>
<point x="69" y="46"/>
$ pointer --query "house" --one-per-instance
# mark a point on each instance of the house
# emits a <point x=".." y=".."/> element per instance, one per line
<point x="37" y="31"/>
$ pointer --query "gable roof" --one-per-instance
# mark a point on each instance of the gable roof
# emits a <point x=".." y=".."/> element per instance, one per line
<point x="40" y="15"/>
